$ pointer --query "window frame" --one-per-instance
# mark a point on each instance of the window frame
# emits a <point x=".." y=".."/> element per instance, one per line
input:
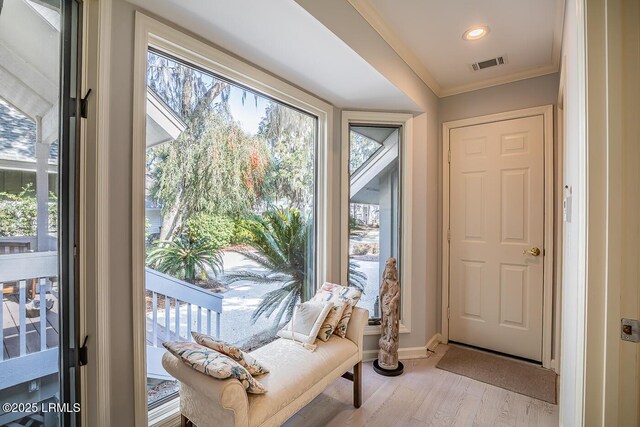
<point x="152" y="33"/>
<point x="405" y="122"/>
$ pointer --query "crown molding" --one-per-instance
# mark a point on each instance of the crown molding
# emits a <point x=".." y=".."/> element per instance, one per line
<point x="373" y="17"/>
<point x="500" y="80"/>
<point x="369" y="12"/>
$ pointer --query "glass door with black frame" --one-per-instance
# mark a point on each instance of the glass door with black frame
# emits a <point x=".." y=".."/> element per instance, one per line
<point x="38" y="212"/>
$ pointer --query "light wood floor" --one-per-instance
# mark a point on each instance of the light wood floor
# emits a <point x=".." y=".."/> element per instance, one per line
<point x="424" y="396"/>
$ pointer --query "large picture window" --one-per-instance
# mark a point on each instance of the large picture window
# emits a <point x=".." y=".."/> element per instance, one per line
<point x="230" y="209"/>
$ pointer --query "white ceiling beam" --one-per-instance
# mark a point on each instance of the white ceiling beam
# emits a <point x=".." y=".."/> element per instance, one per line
<point x="375" y="166"/>
<point x="50" y="125"/>
<point x="21" y="96"/>
<point x="29" y="48"/>
<point x="51" y="4"/>
<point x="14" y="64"/>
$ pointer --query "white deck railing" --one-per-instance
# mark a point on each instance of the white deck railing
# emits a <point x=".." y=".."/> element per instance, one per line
<point x="25" y="354"/>
<point x="184" y="295"/>
<point x="30" y="357"/>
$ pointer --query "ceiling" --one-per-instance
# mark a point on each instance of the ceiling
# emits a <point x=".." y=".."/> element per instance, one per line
<point x="291" y="43"/>
<point x="427" y="34"/>
<point x="283" y="38"/>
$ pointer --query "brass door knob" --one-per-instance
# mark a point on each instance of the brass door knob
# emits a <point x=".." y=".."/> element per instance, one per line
<point x="533" y="251"/>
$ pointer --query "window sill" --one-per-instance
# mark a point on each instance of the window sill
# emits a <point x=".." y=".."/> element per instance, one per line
<point x="377" y="329"/>
<point x="167" y="415"/>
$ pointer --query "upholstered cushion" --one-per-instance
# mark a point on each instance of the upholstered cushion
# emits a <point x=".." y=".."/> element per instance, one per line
<point x="331" y="322"/>
<point x="297" y="376"/>
<point x="332" y="292"/>
<point x="306" y="321"/>
<point x="212" y="363"/>
<point x="294" y="372"/>
<point x="244" y="359"/>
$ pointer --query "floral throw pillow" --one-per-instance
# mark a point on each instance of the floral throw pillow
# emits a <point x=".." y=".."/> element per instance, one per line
<point x="331" y="322"/>
<point x="347" y="294"/>
<point x="214" y="364"/>
<point x="244" y="359"/>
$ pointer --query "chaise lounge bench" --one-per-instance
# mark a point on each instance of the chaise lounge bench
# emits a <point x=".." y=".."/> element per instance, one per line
<point x="296" y="377"/>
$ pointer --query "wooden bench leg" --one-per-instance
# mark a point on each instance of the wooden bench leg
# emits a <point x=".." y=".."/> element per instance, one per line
<point x="357" y="385"/>
<point x="185" y="422"/>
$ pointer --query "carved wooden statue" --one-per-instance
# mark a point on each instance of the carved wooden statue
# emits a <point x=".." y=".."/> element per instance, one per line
<point x="390" y="306"/>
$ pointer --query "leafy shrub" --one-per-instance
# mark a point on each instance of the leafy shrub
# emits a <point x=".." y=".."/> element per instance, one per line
<point x="365" y="249"/>
<point x="18" y="214"/>
<point x="353" y="223"/>
<point x="219" y="230"/>
<point x="243" y="230"/>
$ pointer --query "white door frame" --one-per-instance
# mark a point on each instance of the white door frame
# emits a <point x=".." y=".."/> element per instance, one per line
<point x="548" y="300"/>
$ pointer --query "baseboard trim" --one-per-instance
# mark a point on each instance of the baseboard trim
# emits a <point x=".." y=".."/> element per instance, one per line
<point x="407" y="352"/>
<point x="433" y="342"/>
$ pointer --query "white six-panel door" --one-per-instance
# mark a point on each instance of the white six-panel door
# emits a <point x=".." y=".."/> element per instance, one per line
<point x="497" y="223"/>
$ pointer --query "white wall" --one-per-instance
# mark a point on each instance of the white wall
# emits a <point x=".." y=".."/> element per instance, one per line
<point x="344" y="21"/>
<point x="611" y="366"/>
<point x="120" y="212"/>
<point x="572" y="344"/>
<point x="511" y="96"/>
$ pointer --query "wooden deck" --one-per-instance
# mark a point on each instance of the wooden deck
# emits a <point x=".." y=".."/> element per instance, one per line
<point x="11" y="343"/>
<point x="11" y="328"/>
<point x="30" y="345"/>
<point x="161" y="331"/>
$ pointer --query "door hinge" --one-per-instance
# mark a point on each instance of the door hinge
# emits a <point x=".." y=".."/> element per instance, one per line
<point x="448" y="312"/>
<point x="449" y="235"/>
<point x="83" y="353"/>
<point x="630" y="330"/>
<point x="449" y="156"/>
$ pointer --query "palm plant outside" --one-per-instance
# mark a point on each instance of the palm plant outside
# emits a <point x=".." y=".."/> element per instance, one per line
<point x="186" y="258"/>
<point x="280" y="241"/>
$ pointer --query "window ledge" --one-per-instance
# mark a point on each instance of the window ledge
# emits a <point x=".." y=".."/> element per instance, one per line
<point x="377" y="329"/>
<point x="167" y="415"/>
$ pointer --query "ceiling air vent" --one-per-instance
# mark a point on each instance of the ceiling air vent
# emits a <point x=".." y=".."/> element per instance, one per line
<point x="481" y="65"/>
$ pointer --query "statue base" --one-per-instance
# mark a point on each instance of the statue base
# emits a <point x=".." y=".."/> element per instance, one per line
<point x="388" y="372"/>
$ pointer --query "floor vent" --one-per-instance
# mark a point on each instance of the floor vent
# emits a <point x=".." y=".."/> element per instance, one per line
<point x="481" y="65"/>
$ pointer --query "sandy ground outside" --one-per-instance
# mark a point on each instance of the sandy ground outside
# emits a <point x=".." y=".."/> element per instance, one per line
<point x="237" y="306"/>
<point x="243" y="297"/>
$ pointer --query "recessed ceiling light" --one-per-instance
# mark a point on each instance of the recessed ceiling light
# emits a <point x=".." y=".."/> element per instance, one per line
<point x="475" y="33"/>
